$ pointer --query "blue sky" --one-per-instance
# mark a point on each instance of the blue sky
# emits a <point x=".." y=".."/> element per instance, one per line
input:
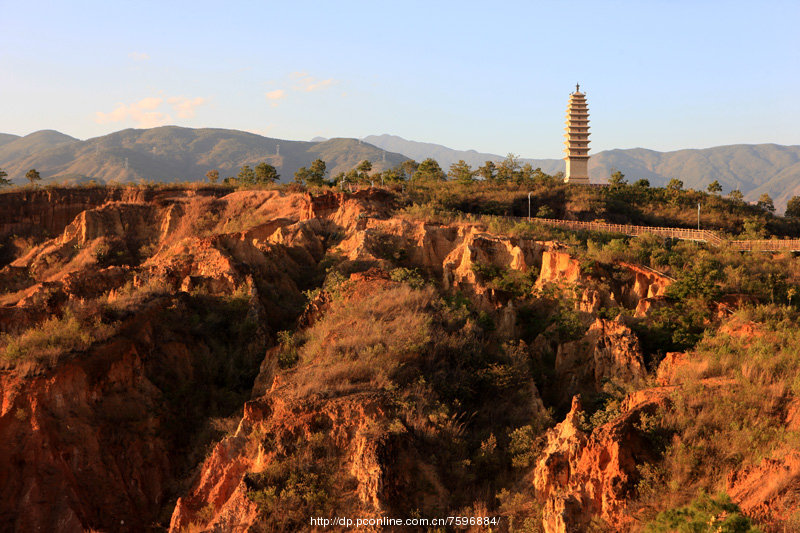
<point x="663" y="75"/>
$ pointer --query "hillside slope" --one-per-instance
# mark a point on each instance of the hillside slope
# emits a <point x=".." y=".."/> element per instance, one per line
<point x="37" y="142"/>
<point x="753" y="169"/>
<point x="7" y="138"/>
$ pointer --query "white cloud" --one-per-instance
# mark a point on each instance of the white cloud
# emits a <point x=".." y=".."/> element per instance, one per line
<point x="139" y="56"/>
<point x="149" y="103"/>
<point x="150" y="112"/>
<point x="300" y="82"/>
<point x="308" y="83"/>
<point x="274" y="96"/>
<point x="143" y="113"/>
<point x="185" y="107"/>
<point x="317" y="85"/>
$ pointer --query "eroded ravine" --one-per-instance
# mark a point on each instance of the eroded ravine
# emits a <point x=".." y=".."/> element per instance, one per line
<point x="248" y="360"/>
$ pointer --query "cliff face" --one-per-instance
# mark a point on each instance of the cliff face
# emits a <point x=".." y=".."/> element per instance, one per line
<point x="88" y="445"/>
<point x="52" y="209"/>
<point x="584" y="475"/>
<point x="234" y="482"/>
<point x="609" y="351"/>
<point x="98" y="435"/>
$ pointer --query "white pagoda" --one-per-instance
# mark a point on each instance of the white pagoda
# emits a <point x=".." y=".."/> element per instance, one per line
<point x="577" y="138"/>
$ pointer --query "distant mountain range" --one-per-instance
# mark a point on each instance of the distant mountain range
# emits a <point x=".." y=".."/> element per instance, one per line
<point x="172" y="153"/>
<point x="752" y="168"/>
<point x="447" y="156"/>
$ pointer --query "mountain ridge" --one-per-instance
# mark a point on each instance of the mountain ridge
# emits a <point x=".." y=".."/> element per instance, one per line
<point x="172" y="153"/>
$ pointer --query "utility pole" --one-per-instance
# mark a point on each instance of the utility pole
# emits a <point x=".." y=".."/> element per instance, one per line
<point x="529" y="206"/>
<point x="278" y="150"/>
<point x="698" y="216"/>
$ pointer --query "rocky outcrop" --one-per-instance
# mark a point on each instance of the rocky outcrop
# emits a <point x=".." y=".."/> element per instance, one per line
<point x="484" y="249"/>
<point x="677" y="365"/>
<point x="87" y="445"/>
<point x="95" y="442"/>
<point x="583" y="475"/>
<point x="369" y="462"/>
<point x="648" y="305"/>
<point x="345" y="209"/>
<point x="553" y="472"/>
<point x="558" y="267"/>
<point x="609" y="351"/>
<point x="458" y="253"/>
<point x="635" y="287"/>
<point x="647" y="284"/>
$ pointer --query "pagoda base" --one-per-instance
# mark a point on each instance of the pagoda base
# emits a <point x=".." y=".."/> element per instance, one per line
<point x="582" y="180"/>
<point x="577" y="171"/>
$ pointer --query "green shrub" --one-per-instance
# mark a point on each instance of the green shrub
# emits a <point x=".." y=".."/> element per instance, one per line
<point x="545" y="212"/>
<point x="290" y="490"/>
<point x="569" y="324"/>
<point x="712" y="514"/>
<point x="701" y="280"/>
<point x="385" y="246"/>
<point x="410" y="276"/>
<point x="486" y="272"/>
<point x="516" y="282"/>
<point x="288" y="355"/>
<point x="523" y="446"/>
<point x="522" y="510"/>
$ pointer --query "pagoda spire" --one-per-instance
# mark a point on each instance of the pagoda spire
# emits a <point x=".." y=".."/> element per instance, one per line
<point x="577" y="138"/>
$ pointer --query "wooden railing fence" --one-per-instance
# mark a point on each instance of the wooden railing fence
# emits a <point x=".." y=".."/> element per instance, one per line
<point x="702" y="235"/>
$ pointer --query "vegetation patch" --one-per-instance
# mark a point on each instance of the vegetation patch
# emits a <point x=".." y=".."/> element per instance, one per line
<point x="74" y="331"/>
<point x="707" y="513"/>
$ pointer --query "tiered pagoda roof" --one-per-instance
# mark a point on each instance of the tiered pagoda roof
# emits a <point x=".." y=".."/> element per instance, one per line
<point x="577" y="130"/>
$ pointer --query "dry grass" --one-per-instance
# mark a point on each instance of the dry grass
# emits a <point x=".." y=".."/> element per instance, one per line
<point x="364" y="337"/>
<point x="77" y="328"/>
<point x="729" y="409"/>
<point x="52" y="339"/>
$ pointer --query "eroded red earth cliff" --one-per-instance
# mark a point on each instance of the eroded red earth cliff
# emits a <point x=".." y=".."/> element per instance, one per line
<point x="360" y="362"/>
